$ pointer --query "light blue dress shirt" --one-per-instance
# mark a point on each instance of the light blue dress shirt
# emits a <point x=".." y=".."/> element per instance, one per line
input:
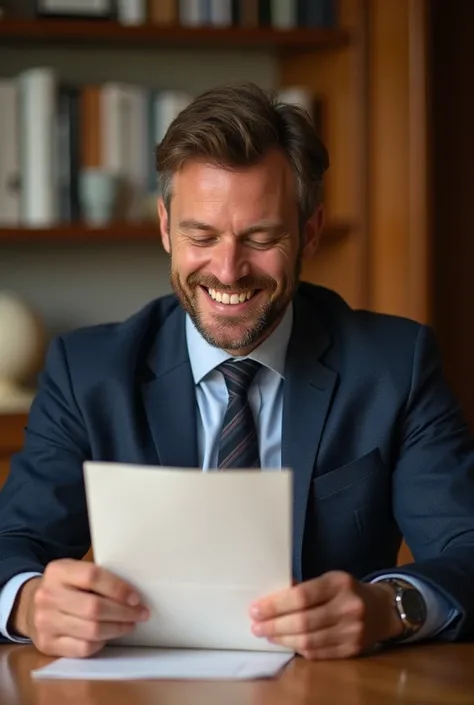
<point x="266" y="401"/>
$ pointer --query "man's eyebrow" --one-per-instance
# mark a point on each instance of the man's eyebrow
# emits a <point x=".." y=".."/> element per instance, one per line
<point x="191" y="224"/>
<point x="270" y="227"/>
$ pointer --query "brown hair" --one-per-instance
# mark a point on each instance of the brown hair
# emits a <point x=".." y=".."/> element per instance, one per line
<point x="237" y="125"/>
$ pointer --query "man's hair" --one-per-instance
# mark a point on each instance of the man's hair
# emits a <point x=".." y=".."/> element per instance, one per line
<point x="234" y="126"/>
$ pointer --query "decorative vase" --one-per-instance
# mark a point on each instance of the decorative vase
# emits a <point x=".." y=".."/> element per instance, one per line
<point x="22" y="345"/>
<point x="98" y="196"/>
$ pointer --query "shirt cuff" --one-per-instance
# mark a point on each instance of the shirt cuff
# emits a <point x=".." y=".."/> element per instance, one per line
<point x="7" y="599"/>
<point x="439" y="611"/>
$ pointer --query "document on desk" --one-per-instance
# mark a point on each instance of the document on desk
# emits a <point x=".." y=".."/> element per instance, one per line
<point x="199" y="546"/>
<point x="133" y="663"/>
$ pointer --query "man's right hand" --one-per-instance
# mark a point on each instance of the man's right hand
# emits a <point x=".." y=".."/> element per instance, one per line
<point x="75" y="608"/>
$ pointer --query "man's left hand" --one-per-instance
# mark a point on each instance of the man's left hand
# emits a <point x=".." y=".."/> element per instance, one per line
<point x="333" y="616"/>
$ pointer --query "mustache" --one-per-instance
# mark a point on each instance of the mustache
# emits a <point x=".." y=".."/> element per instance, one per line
<point x="240" y="286"/>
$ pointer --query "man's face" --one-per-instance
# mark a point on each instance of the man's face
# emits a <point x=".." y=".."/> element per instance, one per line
<point x="236" y="248"/>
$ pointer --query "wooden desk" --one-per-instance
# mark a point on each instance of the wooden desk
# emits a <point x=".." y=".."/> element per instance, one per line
<point x="434" y="674"/>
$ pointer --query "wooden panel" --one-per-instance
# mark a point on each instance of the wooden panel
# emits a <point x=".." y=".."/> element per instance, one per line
<point x="452" y="108"/>
<point x="4" y="470"/>
<point x="11" y="433"/>
<point x="339" y="79"/>
<point x="399" y="281"/>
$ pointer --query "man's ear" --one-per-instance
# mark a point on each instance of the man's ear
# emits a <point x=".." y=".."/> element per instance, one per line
<point x="164" y="225"/>
<point x="312" y="233"/>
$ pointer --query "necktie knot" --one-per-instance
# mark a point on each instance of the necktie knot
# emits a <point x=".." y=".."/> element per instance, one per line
<point x="239" y="375"/>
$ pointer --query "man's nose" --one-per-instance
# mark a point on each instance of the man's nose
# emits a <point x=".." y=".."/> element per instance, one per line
<point x="229" y="261"/>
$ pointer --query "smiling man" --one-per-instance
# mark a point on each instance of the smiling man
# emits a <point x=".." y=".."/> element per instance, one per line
<point x="244" y="366"/>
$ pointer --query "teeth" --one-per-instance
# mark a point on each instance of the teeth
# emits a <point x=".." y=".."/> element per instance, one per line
<point x="225" y="298"/>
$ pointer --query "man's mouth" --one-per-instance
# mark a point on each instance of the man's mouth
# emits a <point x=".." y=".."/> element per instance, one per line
<point x="230" y="298"/>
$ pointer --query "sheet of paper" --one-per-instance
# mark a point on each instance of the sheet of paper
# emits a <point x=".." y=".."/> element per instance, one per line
<point x="199" y="547"/>
<point x="130" y="663"/>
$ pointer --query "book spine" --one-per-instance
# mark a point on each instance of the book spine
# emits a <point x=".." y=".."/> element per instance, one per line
<point x="192" y="13"/>
<point x="90" y="131"/>
<point x="37" y="143"/>
<point x="9" y="154"/>
<point x="68" y="157"/>
<point x="284" y="14"/>
<point x="220" y="12"/>
<point x="24" y="9"/>
<point x="163" y="11"/>
<point x="63" y="155"/>
<point x="131" y="12"/>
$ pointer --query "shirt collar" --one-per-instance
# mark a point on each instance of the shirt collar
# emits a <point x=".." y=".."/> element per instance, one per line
<point x="271" y="353"/>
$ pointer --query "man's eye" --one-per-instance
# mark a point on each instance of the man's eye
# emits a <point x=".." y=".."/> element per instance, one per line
<point x="203" y="241"/>
<point x="261" y="241"/>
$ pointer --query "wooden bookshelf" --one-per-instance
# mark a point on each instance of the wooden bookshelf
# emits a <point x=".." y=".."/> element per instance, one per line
<point x="11" y="432"/>
<point x="106" y="32"/>
<point x="370" y="71"/>
<point x="123" y="233"/>
<point x="11" y="440"/>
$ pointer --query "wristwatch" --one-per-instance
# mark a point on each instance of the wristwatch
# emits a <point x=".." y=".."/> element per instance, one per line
<point x="410" y="606"/>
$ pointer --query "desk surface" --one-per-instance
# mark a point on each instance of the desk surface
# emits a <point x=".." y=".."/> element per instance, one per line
<point x="419" y="675"/>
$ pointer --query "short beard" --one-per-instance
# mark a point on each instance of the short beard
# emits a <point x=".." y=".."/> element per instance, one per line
<point x="270" y="315"/>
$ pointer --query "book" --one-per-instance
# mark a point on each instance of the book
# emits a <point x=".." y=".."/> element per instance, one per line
<point x="39" y="197"/>
<point x="9" y="153"/>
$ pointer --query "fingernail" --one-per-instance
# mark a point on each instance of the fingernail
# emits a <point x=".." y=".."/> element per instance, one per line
<point x="144" y="614"/>
<point x="255" y="612"/>
<point x="133" y="599"/>
<point x="257" y="629"/>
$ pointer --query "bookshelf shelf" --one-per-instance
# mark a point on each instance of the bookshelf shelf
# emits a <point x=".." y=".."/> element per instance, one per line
<point x="124" y="233"/>
<point x="13" y="31"/>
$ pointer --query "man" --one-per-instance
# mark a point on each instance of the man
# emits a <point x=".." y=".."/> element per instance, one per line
<point x="246" y="367"/>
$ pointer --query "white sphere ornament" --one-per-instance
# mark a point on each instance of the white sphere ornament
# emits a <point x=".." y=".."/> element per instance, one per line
<point x="22" y="347"/>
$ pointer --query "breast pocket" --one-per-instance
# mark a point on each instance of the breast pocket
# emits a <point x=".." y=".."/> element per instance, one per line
<point x="349" y="515"/>
<point x="348" y="476"/>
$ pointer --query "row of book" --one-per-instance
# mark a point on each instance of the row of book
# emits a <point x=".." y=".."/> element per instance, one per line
<point x="52" y="133"/>
<point x="280" y="14"/>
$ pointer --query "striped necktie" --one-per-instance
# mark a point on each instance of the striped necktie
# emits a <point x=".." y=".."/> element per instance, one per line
<point x="238" y="442"/>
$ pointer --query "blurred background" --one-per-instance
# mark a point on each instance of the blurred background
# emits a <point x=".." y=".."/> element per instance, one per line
<point x="88" y="87"/>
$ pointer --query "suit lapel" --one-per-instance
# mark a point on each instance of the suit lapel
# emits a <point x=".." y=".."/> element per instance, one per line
<point x="169" y="396"/>
<point x="308" y="391"/>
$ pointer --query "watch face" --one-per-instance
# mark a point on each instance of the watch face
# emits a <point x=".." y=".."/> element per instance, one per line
<point x="414" y="606"/>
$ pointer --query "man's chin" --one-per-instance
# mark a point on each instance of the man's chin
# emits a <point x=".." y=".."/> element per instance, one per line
<point x="227" y="337"/>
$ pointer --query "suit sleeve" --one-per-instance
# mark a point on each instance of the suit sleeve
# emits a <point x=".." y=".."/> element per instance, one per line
<point x="433" y="488"/>
<point x="43" y="513"/>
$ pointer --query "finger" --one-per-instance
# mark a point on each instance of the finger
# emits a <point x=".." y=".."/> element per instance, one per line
<point x="69" y="647"/>
<point x="349" y="637"/>
<point x="66" y="625"/>
<point x="87" y="606"/>
<point x="88" y="576"/>
<point x="331" y="652"/>
<point x="295" y="599"/>
<point x="297" y="623"/>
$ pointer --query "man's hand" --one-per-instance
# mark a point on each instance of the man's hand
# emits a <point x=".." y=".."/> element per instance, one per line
<point x="75" y="608"/>
<point x="333" y="616"/>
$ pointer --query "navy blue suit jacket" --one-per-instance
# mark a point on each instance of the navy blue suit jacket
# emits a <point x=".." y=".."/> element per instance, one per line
<point x="375" y="439"/>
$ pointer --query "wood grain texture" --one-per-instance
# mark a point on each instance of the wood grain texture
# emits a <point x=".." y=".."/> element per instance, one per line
<point x="333" y="233"/>
<point x="398" y="180"/>
<point x="337" y="79"/>
<point x="153" y="35"/>
<point x="11" y="433"/>
<point x="415" y="675"/>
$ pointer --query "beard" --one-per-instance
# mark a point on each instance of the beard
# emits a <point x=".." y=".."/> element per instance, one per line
<point x="237" y="332"/>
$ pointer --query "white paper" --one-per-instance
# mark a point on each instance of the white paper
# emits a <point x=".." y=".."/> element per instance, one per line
<point x="199" y="547"/>
<point x="131" y="663"/>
